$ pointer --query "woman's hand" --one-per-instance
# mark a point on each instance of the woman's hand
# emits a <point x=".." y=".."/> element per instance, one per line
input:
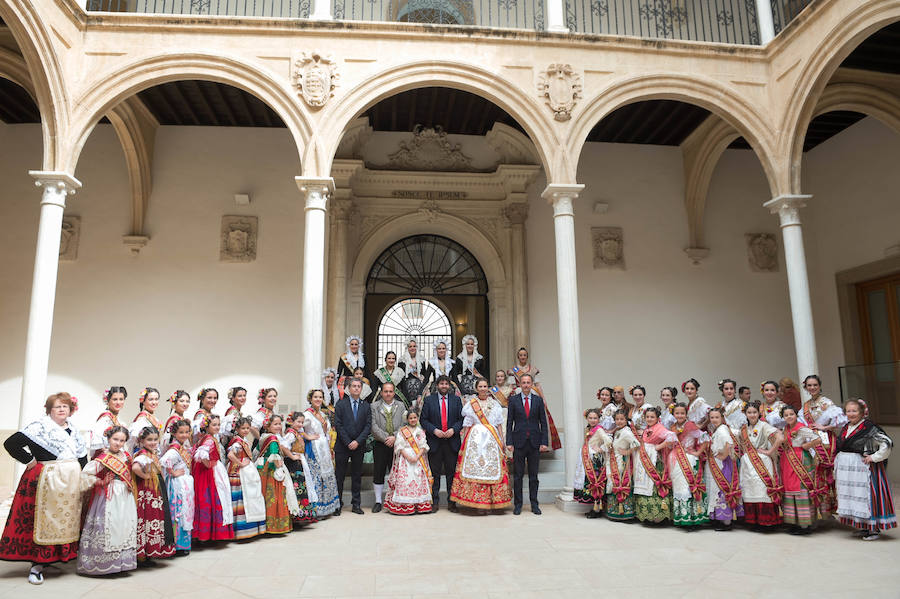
<point x="205" y="462"/>
<point x="245" y="462"/>
<point x="867" y="459"/>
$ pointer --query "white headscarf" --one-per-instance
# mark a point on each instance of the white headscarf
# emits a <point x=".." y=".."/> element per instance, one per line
<point x="464" y="358"/>
<point x="328" y="390"/>
<point x="409" y="361"/>
<point x="355" y="360"/>
<point x="448" y="361"/>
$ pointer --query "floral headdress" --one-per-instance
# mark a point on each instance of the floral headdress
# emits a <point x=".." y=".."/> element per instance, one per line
<point x="693" y="382"/>
<point x="178" y="393"/>
<point x="633" y="387"/>
<point x="261" y="396"/>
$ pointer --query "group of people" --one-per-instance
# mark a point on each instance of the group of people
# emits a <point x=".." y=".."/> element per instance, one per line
<point x="156" y="487"/>
<point x="764" y="463"/>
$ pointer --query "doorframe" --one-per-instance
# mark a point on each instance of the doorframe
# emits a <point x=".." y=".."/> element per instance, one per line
<point x="848" y="303"/>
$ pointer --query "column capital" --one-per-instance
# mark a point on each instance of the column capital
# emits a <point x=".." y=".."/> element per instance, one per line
<point x="561" y="197"/>
<point x="316" y="190"/>
<point x="516" y="213"/>
<point x="64" y="182"/>
<point x="787" y="207"/>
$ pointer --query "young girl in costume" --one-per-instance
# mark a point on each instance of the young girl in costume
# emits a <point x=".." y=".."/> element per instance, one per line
<point x="697" y="408"/>
<point x="247" y="503"/>
<point x="590" y="470"/>
<point x="114" y="398"/>
<point x="176" y="464"/>
<point x="148" y="401"/>
<point x="281" y="502"/>
<point x="213" y="518"/>
<point x="155" y="537"/>
<point x="180" y="401"/>
<point x="108" y="538"/>
<point x="652" y="481"/>
<point x="826" y="420"/>
<point x="802" y="487"/>
<point x="667" y="396"/>
<point x="732" y="405"/>
<point x="686" y="469"/>
<point x="619" y="495"/>
<point x="723" y="481"/>
<point x="295" y="449"/>
<point x="208" y="399"/>
<point x="607" y="409"/>
<point x="770" y="408"/>
<point x="636" y="412"/>
<point x="760" y="487"/>
<point x="237" y="397"/>
<point x="409" y="483"/>
<point x="268" y="399"/>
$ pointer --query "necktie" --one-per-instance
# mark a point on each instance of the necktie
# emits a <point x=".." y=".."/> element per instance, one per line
<point x="390" y="421"/>
<point x="443" y="413"/>
<point x="355" y="404"/>
<point x="527" y="405"/>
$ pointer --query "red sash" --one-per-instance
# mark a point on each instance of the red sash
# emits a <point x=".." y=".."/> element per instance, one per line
<point x="806" y="479"/>
<point x="411" y="440"/>
<point x="265" y="444"/>
<point x="476" y="407"/>
<point x="245" y="449"/>
<point x="825" y="454"/>
<point x="773" y="490"/>
<point x="184" y="452"/>
<point x="730" y="489"/>
<point x="117" y="468"/>
<point x="663" y="483"/>
<point x="320" y="417"/>
<point x="596" y="482"/>
<point x="621" y="483"/>
<point x="695" y="482"/>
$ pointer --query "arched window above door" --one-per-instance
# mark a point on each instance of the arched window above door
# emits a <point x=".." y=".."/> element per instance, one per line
<point x="413" y="318"/>
<point x="429" y="265"/>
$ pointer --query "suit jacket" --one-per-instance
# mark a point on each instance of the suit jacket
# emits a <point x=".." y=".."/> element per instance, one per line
<point x="431" y="419"/>
<point x="379" y="419"/>
<point x="521" y="430"/>
<point x="350" y="429"/>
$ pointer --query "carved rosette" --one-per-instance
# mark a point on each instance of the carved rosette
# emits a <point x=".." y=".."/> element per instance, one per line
<point x="560" y="87"/>
<point x="762" y="252"/>
<point x="314" y="76"/>
<point x="238" y="239"/>
<point x="608" y="247"/>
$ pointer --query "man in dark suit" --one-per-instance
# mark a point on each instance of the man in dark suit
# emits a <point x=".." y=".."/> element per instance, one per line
<point x="442" y="420"/>
<point x="526" y="436"/>
<point x="353" y="422"/>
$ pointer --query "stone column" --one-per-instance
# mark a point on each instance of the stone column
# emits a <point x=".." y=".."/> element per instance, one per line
<point x="56" y="186"/>
<point x="765" y="21"/>
<point x="556" y="16"/>
<point x="517" y="214"/>
<point x="316" y="191"/>
<point x="562" y="198"/>
<point x="341" y="208"/>
<point x="787" y="207"/>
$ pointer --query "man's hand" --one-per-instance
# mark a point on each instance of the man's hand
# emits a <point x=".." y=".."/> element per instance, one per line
<point x="449" y="433"/>
<point x="390" y="441"/>
<point x="544" y="448"/>
<point x="438" y="433"/>
<point x="353" y="445"/>
<point x="509" y="447"/>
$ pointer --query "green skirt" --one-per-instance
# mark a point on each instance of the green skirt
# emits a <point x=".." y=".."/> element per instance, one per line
<point x="653" y="508"/>
<point x="688" y="512"/>
<point x="619" y="511"/>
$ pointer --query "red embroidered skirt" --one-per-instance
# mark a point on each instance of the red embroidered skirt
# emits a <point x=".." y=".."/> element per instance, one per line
<point x="764" y="514"/>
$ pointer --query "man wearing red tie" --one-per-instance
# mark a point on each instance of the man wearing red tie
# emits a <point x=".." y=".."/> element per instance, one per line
<point x="442" y="420"/>
<point x="526" y="437"/>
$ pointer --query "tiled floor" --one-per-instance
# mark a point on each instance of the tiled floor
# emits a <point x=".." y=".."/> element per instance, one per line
<point x="555" y="555"/>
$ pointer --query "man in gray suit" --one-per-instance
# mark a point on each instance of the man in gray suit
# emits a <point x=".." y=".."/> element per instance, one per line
<point x="388" y="415"/>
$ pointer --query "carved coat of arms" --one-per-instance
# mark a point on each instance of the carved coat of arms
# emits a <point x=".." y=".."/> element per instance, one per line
<point x="560" y="86"/>
<point x="315" y="77"/>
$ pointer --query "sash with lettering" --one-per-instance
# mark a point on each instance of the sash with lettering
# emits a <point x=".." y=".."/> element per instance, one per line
<point x="621" y="483"/>
<point x="826" y="454"/>
<point x="694" y="481"/>
<point x="115" y="468"/>
<point x="596" y="482"/>
<point x="730" y="489"/>
<point x="499" y="396"/>
<point x="479" y="413"/>
<point x="806" y="479"/>
<point x="663" y="482"/>
<point x="411" y="440"/>
<point x="773" y="490"/>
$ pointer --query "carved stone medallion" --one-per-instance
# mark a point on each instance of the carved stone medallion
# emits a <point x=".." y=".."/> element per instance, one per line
<point x="69" y="237"/>
<point x="238" y="242"/>
<point x="608" y="247"/>
<point x="762" y="252"/>
<point x="560" y="86"/>
<point x="315" y="77"/>
<point x="428" y="150"/>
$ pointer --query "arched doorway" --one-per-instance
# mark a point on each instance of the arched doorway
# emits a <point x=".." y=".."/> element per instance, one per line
<point x="428" y="287"/>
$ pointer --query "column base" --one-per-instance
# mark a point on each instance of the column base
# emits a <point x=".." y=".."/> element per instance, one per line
<point x="568" y="505"/>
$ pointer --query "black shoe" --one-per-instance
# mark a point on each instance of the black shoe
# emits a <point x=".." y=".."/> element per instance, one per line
<point x="536" y="510"/>
<point x="377" y="508"/>
<point x="452" y="507"/>
<point x="517" y="510"/>
<point x="357" y="510"/>
<point x="434" y="508"/>
<point x="337" y="512"/>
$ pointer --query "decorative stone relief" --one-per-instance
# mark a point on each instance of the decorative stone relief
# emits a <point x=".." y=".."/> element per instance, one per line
<point x="368" y="223"/>
<point x="428" y="150"/>
<point x="762" y="252"/>
<point x="430" y="210"/>
<point x="315" y="76"/>
<point x="608" y="247"/>
<point x="560" y="87"/>
<point x="238" y="239"/>
<point x="516" y="213"/>
<point x="69" y="237"/>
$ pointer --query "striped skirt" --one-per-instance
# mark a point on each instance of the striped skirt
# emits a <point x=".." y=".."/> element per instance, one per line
<point x="798" y="509"/>
<point x="864" y="494"/>
<point x="242" y="528"/>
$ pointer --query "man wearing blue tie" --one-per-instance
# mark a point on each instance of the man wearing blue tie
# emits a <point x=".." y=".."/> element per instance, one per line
<point x="353" y="422"/>
<point x="526" y="437"/>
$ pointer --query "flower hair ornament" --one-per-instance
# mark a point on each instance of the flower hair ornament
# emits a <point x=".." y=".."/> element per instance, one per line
<point x="864" y="405"/>
<point x="205" y="421"/>
<point x="144" y="393"/>
<point x="74" y="404"/>
<point x="106" y="396"/>
<point x="632" y="388"/>
<point x="693" y="382"/>
<point x="261" y="396"/>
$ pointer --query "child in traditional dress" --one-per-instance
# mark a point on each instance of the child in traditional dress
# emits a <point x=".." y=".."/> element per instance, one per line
<point x="723" y="481"/>
<point x="636" y="413"/>
<point x="208" y="398"/>
<point x="409" y="483"/>
<point x="770" y="408"/>
<point x="176" y="464"/>
<point x="278" y="490"/>
<point x="590" y="470"/>
<point x="802" y="488"/>
<point x="686" y="469"/>
<point x="667" y="395"/>
<point x="237" y="397"/>
<point x="155" y="537"/>
<point x="148" y="401"/>
<point x="607" y="409"/>
<point x="114" y="398"/>
<point x="731" y="404"/>
<point x="181" y="401"/>
<point x="213" y="518"/>
<point x="108" y="538"/>
<point x="295" y="459"/>
<point x="760" y="489"/>
<point x="619" y="495"/>
<point x="652" y="482"/>
<point x="247" y="503"/>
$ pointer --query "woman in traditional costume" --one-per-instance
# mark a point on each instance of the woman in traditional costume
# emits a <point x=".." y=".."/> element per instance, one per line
<point x="247" y="504"/>
<point x="114" y="398"/>
<point x="213" y="518"/>
<point x="686" y="469"/>
<point x="415" y="365"/>
<point x="441" y="364"/>
<point x="318" y="455"/>
<point x="471" y="366"/>
<point x="827" y="420"/>
<point x="409" y="483"/>
<point x="522" y="368"/>
<point x="351" y="359"/>
<point x="481" y="480"/>
<point x="176" y="464"/>
<point x="636" y="411"/>
<point x="109" y="536"/>
<point x="760" y="488"/>
<point x="667" y="396"/>
<point x="864" y="496"/>
<point x="697" y="408"/>
<point x="723" y="481"/>
<point x="390" y="373"/>
<point x="802" y="487"/>
<point x="333" y="393"/>
<point x="281" y="502"/>
<point x="619" y="492"/>
<point x="237" y="397"/>
<point x="44" y="519"/>
<point x="294" y="445"/>
<point x="652" y="482"/>
<point x="208" y="399"/>
<point x="770" y="408"/>
<point x="607" y="409"/>
<point x="180" y="401"/>
<point x="267" y="399"/>
<point x="155" y="536"/>
<point x="732" y="405"/>
<point x="501" y="391"/>
<point x="146" y="416"/>
<point x="590" y="470"/>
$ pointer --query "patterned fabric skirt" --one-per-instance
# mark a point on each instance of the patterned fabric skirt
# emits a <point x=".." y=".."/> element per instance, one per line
<point x="278" y="518"/>
<point x="583" y="495"/>
<point x="307" y="510"/>
<point x="762" y="514"/>
<point x="93" y="557"/>
<point x="208" y="523"/>
<point x="719" y="509"/>
<point x="155" y="538"/>
<point x="864" y="494"/>
<point x="828" y="501"/>
<point x="407" y="509"/>
<point x="17" y="543"/>
<point x="325" y="484"/>
<point x="798" y="509"/>
<point x="653" y="508"/>
<point x="619" y="511"/>
<point x="242" y="528"/>
<point x="483" y="496"/>
<point x="178" y="505"/>
<point x="689" y="512"/>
